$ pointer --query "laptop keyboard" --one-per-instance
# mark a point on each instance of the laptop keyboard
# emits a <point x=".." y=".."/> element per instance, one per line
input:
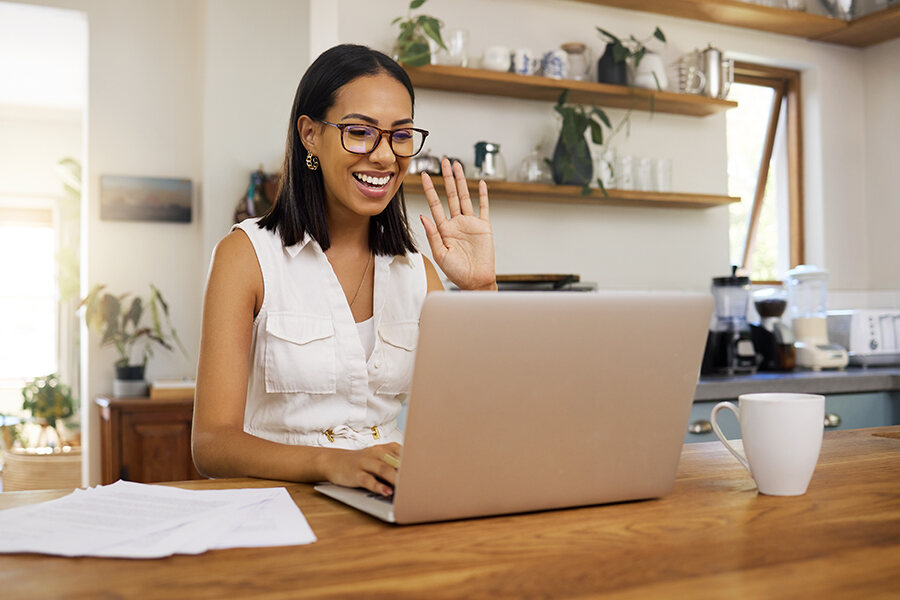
<point x="380" y="498"/>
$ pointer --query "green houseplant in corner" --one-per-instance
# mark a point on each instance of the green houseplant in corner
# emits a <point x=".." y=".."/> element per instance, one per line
<point x="119" y="321"/>
<point x="411" y="47"/>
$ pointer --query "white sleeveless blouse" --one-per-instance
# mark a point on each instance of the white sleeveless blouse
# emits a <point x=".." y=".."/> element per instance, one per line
<point x="310" y="381"/>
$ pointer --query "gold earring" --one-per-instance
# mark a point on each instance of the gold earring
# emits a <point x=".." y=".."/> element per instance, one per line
<point x="312" y="163"/>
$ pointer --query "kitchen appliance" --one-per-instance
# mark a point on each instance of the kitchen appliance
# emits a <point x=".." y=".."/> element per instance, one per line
<point x="871" y="336"/>
<point x="772" y="338"/>
<point x="729" y="344"/>
<point x="807" y="287"/>
<point x="489" y="163"/>
<point x="718" y="71"/>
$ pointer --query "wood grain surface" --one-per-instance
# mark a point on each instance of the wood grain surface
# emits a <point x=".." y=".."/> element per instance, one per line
<point x="714" y="536"/>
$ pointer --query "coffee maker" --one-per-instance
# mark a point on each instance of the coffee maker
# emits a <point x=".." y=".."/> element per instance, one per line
<point x="729" y="344"/>
<point x="772" y="338"/>
<point x="807" y="291"/>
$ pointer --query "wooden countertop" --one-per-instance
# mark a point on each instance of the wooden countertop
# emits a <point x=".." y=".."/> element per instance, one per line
<point x="714" y="536"/>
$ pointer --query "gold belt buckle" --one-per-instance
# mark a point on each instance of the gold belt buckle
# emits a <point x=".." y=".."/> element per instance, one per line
<point x="330" y="435"/>
<point x="375" y="433"/>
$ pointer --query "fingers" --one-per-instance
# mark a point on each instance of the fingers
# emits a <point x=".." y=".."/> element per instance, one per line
<point x="450" y="186"/>
<point x="434" y="238"/>
<point x="483" y="209"/>
<point x="434" y="201"/>
<point x="465" y="203"/>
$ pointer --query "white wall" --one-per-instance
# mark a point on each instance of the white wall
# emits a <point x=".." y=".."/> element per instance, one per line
<point x="254" y="61"/>
<point x="882" y="161"/>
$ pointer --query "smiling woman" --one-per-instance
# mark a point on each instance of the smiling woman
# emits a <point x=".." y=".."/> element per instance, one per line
<point x="323" y="293"/>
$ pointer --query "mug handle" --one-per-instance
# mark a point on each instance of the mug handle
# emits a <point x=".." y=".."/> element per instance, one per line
<point x="715" y="425"/>
<point x="695" y="73"/>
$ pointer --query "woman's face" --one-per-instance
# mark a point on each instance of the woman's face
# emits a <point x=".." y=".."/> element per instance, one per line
<point x="362" y="184"/>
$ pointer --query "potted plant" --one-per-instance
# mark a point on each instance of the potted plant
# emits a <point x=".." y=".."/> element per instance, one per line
<point x="611" y="68"/>
<point x="571" y="163"/>
<point x="49" y="401"/>
<point x="119" y="320"/>
<point x="411" y="47"/>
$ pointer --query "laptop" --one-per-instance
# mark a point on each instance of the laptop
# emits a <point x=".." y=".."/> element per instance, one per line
<point x="529" y="401"/>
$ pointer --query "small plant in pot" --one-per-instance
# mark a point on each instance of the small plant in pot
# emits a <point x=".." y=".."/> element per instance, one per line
<point x="119" y="321"/>
<point x="411" y="47"/>
<point x="611" y="68"/>
<point x="572" y="163"/>
<point x="50" y="402"/>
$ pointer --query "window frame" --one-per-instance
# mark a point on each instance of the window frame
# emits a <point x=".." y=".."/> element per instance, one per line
<point x="786" y="84"/>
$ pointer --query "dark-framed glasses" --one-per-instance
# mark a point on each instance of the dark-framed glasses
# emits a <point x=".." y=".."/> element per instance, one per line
<point x="363" y="139"/>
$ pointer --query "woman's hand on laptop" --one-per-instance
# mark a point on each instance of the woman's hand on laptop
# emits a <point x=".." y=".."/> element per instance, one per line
<point x="366" y="468"/>
<point x="463" y="245"/>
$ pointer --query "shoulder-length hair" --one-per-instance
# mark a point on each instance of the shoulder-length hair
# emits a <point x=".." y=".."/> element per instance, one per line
<point x="299" y="207"/>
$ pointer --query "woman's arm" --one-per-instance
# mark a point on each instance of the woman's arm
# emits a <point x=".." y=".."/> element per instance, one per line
<point x="220" y="446"/>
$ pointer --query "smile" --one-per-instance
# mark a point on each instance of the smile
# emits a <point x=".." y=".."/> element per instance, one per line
<point x="376" y="182"/>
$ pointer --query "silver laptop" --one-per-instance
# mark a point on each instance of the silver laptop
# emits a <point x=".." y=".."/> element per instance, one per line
<point x="525" y="401"/>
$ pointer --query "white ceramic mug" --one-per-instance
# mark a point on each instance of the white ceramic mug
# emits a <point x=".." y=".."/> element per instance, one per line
<point x="496" y="58"/>
<point x="525" y="62"/>
<point x="782" y="436"/>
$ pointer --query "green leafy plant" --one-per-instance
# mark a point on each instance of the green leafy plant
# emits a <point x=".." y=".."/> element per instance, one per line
<point x="48" y="399"/>
<point x="630" y="47"/>
<point x="119" y="321"/>
<point x="411" y="47"/>
<point x="571" y="163"/>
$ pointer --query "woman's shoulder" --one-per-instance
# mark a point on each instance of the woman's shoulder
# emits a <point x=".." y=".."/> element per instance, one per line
<point x="235" y="250"/>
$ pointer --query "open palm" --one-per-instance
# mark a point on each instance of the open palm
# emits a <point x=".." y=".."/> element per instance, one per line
<point x="462" y="245"/>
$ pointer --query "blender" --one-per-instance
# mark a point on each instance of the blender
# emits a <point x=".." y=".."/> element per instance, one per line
<point x="729" y="345"/>
<point x="773" y="339"/>
<point x="807" y="290"/>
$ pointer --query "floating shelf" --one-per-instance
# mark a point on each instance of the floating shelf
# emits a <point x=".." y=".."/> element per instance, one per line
<point x="864" y="31"/>
<point x="571" y="194"/>
<point x="533" y="87"/>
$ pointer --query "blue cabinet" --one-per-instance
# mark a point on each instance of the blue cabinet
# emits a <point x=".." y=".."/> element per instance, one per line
<point x="853" y="411"/>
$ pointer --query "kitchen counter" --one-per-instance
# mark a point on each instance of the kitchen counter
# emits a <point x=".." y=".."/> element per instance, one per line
<point x="852" y="380"/>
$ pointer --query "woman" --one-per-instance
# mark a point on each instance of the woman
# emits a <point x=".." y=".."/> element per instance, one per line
<point x="311" y="312"/>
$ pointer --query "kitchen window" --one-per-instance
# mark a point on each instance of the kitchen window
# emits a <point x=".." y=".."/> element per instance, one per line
<point x="765" y="169"/>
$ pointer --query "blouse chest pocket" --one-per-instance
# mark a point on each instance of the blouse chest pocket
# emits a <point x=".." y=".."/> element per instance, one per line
<point x="399" y="349"/>
<point x="300" y="354"/>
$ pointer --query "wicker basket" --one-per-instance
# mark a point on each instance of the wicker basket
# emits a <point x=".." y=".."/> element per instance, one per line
<point x="38" y="469"/>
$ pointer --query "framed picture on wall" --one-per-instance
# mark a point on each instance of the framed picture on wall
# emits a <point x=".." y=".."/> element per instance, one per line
<point x="124" y="198"/>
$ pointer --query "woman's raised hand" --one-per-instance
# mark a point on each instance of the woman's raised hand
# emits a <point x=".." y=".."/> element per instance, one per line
<point x="462" y="245"/>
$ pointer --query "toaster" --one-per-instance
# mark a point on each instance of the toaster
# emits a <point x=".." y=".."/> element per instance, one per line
<point x="871" y="336"/>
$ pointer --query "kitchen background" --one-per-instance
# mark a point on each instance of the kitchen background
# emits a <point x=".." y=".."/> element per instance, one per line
<point x="202" y="90"/>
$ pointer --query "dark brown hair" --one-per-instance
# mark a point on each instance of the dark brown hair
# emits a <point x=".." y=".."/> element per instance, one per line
<point x="299" y="207"/>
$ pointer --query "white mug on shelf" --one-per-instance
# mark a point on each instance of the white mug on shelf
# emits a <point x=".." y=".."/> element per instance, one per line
<point x="782" y="436"/>
<point x="496" y="58"/>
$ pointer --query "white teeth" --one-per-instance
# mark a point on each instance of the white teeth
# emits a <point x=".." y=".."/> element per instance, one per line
<point x="372" y="180"/>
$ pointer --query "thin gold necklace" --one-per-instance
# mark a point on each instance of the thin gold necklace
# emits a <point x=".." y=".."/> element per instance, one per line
<point x="359" y="287"/>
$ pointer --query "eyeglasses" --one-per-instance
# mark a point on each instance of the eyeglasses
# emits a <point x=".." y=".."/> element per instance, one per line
<point x="363" y="139"/>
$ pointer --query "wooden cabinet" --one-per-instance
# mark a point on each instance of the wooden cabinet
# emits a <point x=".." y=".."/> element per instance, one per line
<point x="146" y="440"/>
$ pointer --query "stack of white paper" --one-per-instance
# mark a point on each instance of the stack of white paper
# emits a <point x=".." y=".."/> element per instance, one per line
<point x="135" y="520"/>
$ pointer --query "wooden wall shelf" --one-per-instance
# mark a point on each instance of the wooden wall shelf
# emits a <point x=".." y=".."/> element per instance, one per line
<point x="571" y="194"/>
<point x="532" y="87"/>
<point x="864" y="31"/>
